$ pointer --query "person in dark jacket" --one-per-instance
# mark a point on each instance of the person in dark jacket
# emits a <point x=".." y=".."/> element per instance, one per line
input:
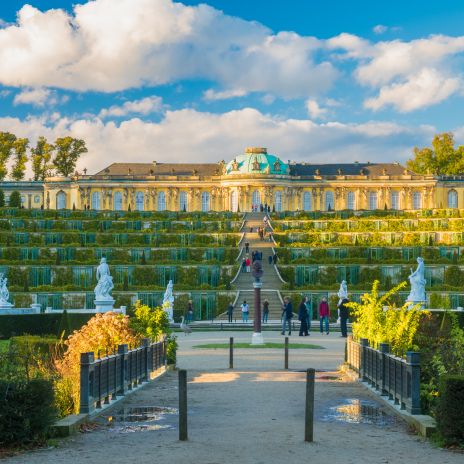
<point x="344" y="315"/>
<point x="303" y="318"/>
<point x="189" y="315"/>
<point x="287" y="314"/>
<point x="230" y="311"/>
<point x="265" y="311"/>
<point x="324" y="314"/>
<point x="269" y="259"/>
<point x="247" y="247"/>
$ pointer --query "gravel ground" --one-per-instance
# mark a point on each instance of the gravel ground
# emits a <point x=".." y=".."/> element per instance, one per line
<point x="254" y="414"/>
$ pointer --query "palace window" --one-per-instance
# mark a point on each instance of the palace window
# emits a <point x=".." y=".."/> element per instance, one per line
<point x="452" y="199"/>
<point x="139" y="201"/>
<point x="205" y="202"/>
<point x="307" y="201"/>
<point x="416" y="200"/>
<point x="350" y="200"/>
<point x="61" y="200"/>
<point x="278" y="201"/>
<point x="256" y="198"/>
<point x="329" y="201"/>
<point x="372" y="200"/>
<point x="96" y="200"/>
<point x="234" y="201"/>
<point x="395" y="200"/>
<point x="183" y="201"/>
<point x="161" y="201"/>
<point x="117" y="201"/>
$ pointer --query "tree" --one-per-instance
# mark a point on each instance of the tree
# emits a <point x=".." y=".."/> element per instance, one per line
<point x="19" y="168"/>
<point x="2" y="198"/>
<point x="15" y="199"/>
<point x="441" y="159"/>
<point x="7" y="141"/>
<point x="68" y="151"/>
<point x="41" y="157"/>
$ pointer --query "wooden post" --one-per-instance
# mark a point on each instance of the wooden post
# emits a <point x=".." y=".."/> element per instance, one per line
<point x="231" y="353"/>
<point x="309" y="410"/>
<point x="183" y="433"/>
<point x="286" y="353"/>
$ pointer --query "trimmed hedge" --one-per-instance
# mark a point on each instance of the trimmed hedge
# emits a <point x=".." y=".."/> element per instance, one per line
<point x="39" y="324"/>
<point x="27" y="411"/>
<point x="450" y="410"/>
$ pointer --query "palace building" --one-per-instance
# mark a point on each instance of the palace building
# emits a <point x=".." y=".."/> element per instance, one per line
<point x="249" y="180"/>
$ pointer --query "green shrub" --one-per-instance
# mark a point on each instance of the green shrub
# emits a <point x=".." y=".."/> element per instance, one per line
<point x="454" y="276"/>
<point x="27" y="411"/>
<point x="450" y="410"/>
<point x="15" y="199"/>
<point x="2" y="198"/>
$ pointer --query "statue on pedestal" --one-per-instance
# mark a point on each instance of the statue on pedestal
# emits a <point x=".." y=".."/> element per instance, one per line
<point x="342" y="295"/>
<point x="4" y="293"/>
<point x="168" y="301"/>
<point x="105" y="282"/>
<point x="417" y="280"/>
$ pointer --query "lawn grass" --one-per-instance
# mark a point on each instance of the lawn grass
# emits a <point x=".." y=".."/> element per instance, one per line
<point x="298" y="346"/>
<point x="4" y="344"/>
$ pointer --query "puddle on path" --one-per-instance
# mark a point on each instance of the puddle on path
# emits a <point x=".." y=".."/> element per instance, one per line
<point x="140" y="419"/>
<point x="358" y="411"/>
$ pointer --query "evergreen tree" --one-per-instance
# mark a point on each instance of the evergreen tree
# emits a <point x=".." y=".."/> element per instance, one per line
<point x="15" y="199"/>
<point x="2" y="198"/>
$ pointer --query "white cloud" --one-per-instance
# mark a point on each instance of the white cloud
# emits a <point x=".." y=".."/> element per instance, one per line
<point x="188" y="135"/>
<point x="425" y="88"/>
<point x="212" y="95"/>
<point x="380" y="29"/>
<point x="39" y="97"/>
<point x="314" y="110"/>
<point x="109" y="45"/>
<point x="143" y="106"/>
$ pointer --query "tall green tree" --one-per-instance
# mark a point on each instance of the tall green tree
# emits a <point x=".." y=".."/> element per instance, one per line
<point x="41" y="158"/>
<point x="20" y="155"/>
<point x="67" y="151"/>
<point x="15" y="199"/>
<point x="440" y="159"/>
<point x="7" y="141"/>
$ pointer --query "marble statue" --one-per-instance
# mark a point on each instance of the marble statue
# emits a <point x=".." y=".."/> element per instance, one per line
<point x="168" y="301"/>
<point x="4" y="293"/>
<point x="417" y="280"/>
<point x="105" y="282"/>
<point x="343" y="292"/>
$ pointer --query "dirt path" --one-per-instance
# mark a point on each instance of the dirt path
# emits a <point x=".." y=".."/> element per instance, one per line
<point x="249" y="416"/>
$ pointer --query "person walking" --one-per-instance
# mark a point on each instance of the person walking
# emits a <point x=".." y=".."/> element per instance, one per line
<point x="324" y="313"/>
<point x="344" y="315"/>
<point x="287" y="314"/>
<point x="265" y="311"/>
<point x="248" y="264"/>
<point x="303" y="318"/>
<point x="244" y="311"/>
<point x="269" y="259"/>
<point x="247" y="247"/>
<point x="244" y="265"/>
<point x="189" y="315"/>
<point x="274" y="258"/>
<point x="309" y="314"/>
<point x="230" y="311"/>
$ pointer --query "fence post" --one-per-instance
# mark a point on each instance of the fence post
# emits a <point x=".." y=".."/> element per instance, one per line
<point x="286" y="353"/>
<point x="363" y="342"/>
<point x="309" y="410"/>
<point x="146" y="353"/>
<point x="231" y="353"/>
<point x="413" y="382"/>
<point x="122" y="359"/>
<point x="384" y="350"/>
<point x="87" y="383"/>
<point x="183" y="431"/>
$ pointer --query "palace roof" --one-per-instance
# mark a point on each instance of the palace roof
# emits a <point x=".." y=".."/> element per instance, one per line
<point x="161" y="169"/>
<point x="350" y="169"/>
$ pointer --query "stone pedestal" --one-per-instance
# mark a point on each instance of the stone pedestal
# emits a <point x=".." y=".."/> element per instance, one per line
<point x="170" y="312"/>
<point x="36" y="307"/>
<point x="103" y="306"/>
<point x="422" y="304"/>
<point x="4" y="305"/>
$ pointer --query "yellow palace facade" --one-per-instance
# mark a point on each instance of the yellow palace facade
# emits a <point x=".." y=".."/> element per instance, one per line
<point x="248" y="181"/>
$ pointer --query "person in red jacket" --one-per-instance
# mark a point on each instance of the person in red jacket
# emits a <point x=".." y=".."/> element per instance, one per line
<point x="324" y="314"/>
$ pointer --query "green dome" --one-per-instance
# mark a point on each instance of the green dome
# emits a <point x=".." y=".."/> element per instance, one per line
<point x="256" y="160"/>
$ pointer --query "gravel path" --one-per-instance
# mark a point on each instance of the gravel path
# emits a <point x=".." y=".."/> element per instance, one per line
<point x="250" y="415"/>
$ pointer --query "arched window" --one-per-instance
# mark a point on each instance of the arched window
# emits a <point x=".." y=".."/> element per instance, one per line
<point x="183" y="201"/>
<point x="350" y="200"/>
<point x="96" y="200"/>
<point x="329" y="201"/>
<point x="452" y="199"/>
<point x="372" y="200"/>
<point x="205" y="203"/>
<point x="139" y="196"/>
<point x="234" y="201"/>
<point x="117" y="201"/>
<point x="416" y="200"/>
<point x="307" y="201"/>
<point x="278" y="201"/>
<point x="161" y="201"/>
<point x="256" y="199"/>
<point x="395" y="200"/>
<point x="61" y="200"/>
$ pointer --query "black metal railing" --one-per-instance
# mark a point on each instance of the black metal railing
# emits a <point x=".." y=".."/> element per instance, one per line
<point x="103" y="379"/>
<point x="391" y="376"/>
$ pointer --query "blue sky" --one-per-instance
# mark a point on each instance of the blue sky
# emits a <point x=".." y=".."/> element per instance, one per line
<point x="141" y="80"/>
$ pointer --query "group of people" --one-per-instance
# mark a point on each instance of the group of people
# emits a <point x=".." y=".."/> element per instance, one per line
<point x="305" y="316"/>
<point x="266" y="208"/>
<point x="247" y="262"/>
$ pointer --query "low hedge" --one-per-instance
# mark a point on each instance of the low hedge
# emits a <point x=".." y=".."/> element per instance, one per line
<point x="450" y="410"/>
<point x="38" y="324"/>
<point x="25" y="344"/>
<point x="27" y="411"/>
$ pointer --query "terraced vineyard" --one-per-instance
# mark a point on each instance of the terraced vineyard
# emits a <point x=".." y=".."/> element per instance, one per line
<point x="317" y="251"/>
<point x="50" y="257"/>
